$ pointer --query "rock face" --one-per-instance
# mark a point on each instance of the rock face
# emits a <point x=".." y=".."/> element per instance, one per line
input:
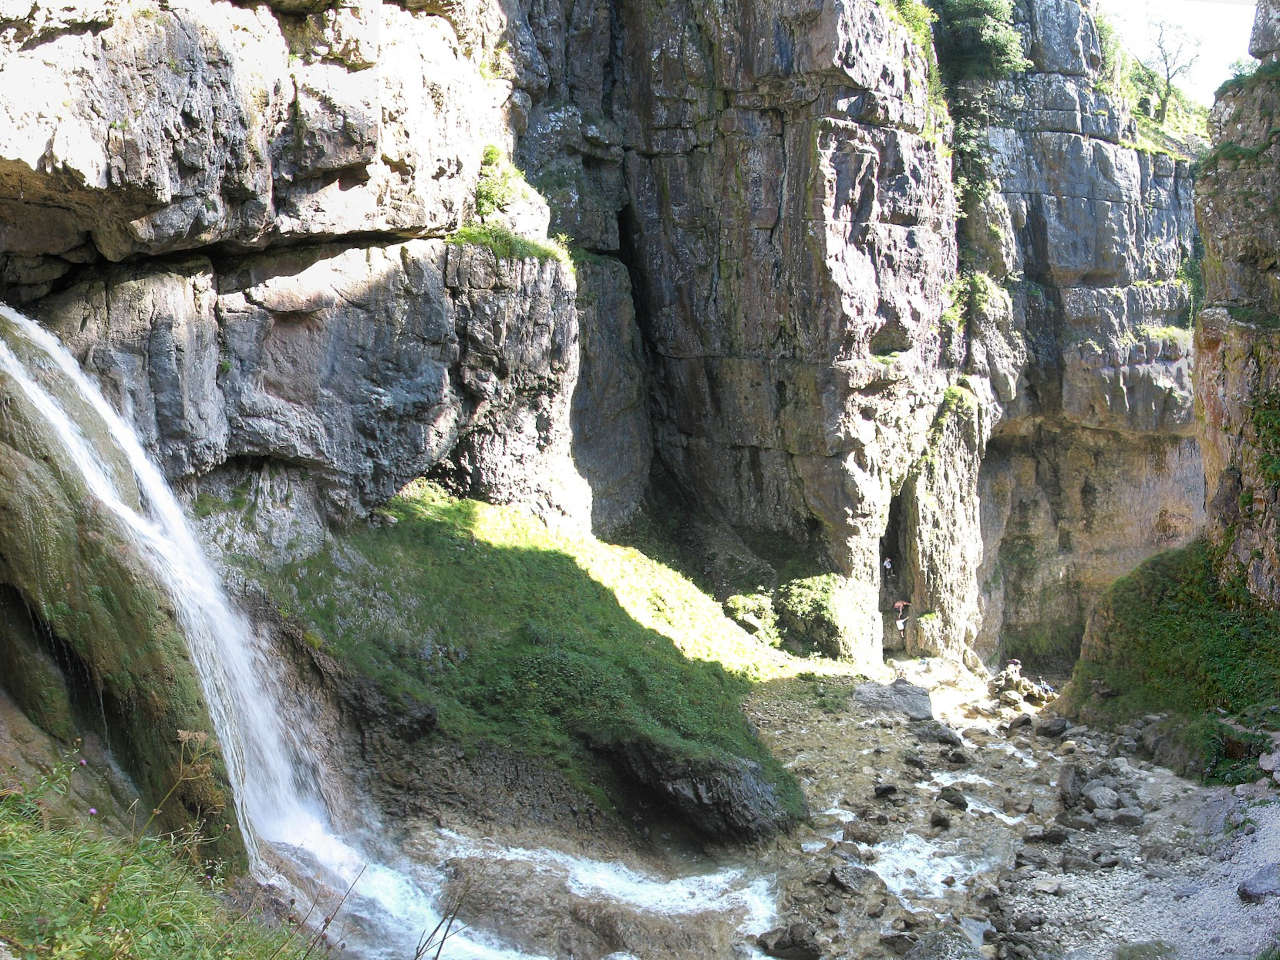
<point x="214" y="128"/>
<point x="1091" y="464"/>
<point x="1238" y="337"/>
<point x="238" y="220"/>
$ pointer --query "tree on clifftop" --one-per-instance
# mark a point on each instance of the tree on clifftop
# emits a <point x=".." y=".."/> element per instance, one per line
<point x="1173" y="54"/>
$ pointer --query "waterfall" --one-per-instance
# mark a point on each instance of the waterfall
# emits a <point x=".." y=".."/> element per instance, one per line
<point x="288" y="833"/>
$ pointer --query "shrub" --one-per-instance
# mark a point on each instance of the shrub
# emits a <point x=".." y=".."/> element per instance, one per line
<point x="978" y="41"/>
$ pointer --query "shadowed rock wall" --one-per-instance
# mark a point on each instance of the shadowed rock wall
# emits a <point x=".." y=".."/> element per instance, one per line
<point x="1238" y="336"/>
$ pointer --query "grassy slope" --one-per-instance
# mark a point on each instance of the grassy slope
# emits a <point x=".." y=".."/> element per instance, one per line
<point x="67" y="890"/>
<point x="538" y="640"/>
<point x="1173" y="638"/>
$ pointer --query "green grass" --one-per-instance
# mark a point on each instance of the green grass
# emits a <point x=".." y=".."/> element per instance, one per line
<point x="507" y="245"/>
<point x="544" y="642"/>
<point x="68" y="890"/>
<point x="1267" y="72"/>
<point x="1178" y="638"/>
<point x="1254" y="316"/>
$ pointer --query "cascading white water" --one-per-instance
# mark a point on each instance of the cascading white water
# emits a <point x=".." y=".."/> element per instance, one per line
<point x="273" y="774"/>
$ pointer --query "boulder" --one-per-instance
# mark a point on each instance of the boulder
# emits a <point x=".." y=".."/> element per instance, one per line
<point x="1097" y="797"/>
<point x="723" y="797"/>
<point x="901" y="696"/>
<point x="1261" y="885"/>
<point x="795" y="942"/>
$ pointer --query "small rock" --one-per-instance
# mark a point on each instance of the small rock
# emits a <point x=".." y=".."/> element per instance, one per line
<point x="1098" y="797"/>
<point x="1011" y="698"/>
<point x="884" y="790"/>
<point x="940" y="819"/>
<point x="1265" y="883"/>
<point x="1050" y="835"/>
<point x="954" y="797"/>
<point x="1049" y="886"/>
<point x="1053" y="727"/>
<point x="1020" y="721"/>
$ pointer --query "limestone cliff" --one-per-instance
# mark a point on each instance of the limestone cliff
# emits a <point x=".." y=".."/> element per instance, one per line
<point x="1091" y="463"/>
<point x="240" y="218"/>
<point x="1237" y="337"/>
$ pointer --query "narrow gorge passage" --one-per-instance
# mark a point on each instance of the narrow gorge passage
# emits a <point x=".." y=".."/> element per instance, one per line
<point x="581" y="471"/>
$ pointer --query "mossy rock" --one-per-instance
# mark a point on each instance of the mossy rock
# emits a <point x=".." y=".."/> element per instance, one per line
<point x="102" y="613"/>
<point x="812" y="616"/>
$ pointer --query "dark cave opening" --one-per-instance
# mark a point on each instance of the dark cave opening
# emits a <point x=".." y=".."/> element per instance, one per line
<point x="895" y="578"/>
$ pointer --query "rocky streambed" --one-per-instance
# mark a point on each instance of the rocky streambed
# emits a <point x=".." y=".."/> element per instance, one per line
<point x="996" y="830"/>
<point x="954" y="818"/>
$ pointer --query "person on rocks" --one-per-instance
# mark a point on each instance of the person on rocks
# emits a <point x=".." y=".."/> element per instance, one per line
<point x="888" y="569"/>
<point x="900" y="611"/>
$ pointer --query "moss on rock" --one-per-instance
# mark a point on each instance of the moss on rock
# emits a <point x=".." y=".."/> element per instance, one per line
<point x="110" y="621"/>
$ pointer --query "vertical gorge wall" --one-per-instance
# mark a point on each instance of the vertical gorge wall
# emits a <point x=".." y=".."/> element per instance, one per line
<point x="1238" y="335"/>
<point x="237" y="216"/>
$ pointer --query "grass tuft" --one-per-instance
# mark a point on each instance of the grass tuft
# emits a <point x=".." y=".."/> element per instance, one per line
<point x="507" y="245"/>
<point x="69" y="890"/>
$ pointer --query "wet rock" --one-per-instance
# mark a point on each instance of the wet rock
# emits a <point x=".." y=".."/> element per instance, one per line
<point x="897" y="697"/>
<point x="723" y="797"/>
<point x="900" y="943"/>
<point x="852" y="879"/>
<point x="1020" y="721"/>
<point x="860" y="831"/>
<point x="885" y="790"/>
<point x="954" y="797"/>
<point x="940" y="820"/>
<point x="941" y="733"/>
<point x="1265" y="883"/>
<point x="795" y="942"/>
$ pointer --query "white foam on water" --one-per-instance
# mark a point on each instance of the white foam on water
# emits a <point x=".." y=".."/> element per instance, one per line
<point x="949" y="778"/>
<point x="913" y="866"/>
<point x="725" y="890"/>
<point x="977" y="806"/>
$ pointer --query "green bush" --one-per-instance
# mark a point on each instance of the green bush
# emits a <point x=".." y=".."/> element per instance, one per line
<point x="507" y="245"/>
<point x="499" y="184"/>
<point x="976" y="40"/>
<point x="1179" y="639"/>
<point x="1175" y="636"/>
<point x="810" y="613"/>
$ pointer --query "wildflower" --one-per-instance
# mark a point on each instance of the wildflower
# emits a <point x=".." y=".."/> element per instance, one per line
<point x="93" y="811"/>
